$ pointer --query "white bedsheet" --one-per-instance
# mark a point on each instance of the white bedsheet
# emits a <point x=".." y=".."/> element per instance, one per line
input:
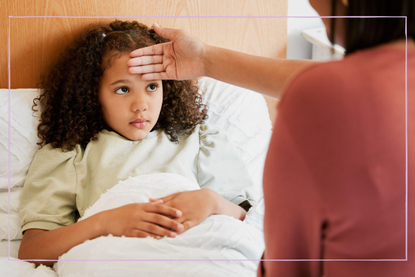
<point x="16" y="268"/>
<point x="219" y="246"/>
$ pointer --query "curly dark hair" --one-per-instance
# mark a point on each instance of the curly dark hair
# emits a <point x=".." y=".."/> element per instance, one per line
<point x="70" y="111"/>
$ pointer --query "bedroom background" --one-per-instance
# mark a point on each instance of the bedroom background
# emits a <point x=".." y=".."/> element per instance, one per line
<point x="36" y="42"/>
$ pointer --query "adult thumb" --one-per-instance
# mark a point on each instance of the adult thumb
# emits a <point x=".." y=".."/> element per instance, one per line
<point x="164" y="32"/>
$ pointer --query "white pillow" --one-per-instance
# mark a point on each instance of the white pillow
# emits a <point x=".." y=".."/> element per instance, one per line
<point x="22" y="135"/>
<point x="15" y="231"/>
<point x="240" y="112"/>
<point x="244" y="115"/>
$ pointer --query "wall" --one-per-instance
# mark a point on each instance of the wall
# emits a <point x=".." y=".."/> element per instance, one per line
<point x="36" y="42"/>
<point x="297" y="46"/>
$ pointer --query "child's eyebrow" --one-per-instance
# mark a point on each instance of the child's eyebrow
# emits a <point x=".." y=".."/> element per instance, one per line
<point x="125" y="81"/>
<point x="120" y="81"/>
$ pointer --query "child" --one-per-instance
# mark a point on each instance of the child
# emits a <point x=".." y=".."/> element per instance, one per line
<point x="100" y="125"/>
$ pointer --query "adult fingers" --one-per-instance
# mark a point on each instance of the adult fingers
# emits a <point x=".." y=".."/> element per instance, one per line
<point x="146" y="69"/>
<point x="156" y="76"/>
<point x="168" y="33"/>
<point x="144" y="60"/>
<point x="156" y="49"/>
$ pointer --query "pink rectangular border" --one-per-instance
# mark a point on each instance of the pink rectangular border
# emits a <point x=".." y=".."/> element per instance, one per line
<point x="406" y="127"/>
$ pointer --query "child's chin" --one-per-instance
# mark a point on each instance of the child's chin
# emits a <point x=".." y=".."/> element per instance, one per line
<point x="138" y="135"/>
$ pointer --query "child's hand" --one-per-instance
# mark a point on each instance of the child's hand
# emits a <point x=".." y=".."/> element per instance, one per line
<point x="195" y="205"/>
<point x="141" y="220"/>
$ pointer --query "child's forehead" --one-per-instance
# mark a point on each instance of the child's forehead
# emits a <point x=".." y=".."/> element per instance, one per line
<point x="109" y="58"/>
<point x="116" y="64"/>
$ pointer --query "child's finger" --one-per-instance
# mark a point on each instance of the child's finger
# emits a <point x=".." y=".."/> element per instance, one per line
<point x="142" y="234"/>
<point x="156" y="201"/>
<point x="157" y="230"/>
<point x="163" y="221"/>
<point x="164" y="210"/>
<point x="168" y="197"/>
<point x="186" y="226"/>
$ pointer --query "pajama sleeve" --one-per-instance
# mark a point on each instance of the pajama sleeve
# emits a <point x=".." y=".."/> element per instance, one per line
<point x="220" y="167"/>
<point x="48" y="198"/>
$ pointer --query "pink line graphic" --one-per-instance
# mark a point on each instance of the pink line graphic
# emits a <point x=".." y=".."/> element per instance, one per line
<point x="406" y="128"/>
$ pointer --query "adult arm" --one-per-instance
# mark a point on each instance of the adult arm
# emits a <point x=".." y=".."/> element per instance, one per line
<point x="267" y="76"/>
<point x="186" y="57"/>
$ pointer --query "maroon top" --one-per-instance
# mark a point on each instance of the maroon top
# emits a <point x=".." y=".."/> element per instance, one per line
<point x="335" y="174"/>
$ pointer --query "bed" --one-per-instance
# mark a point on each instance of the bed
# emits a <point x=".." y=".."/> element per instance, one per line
<point x="227" y="106"/>
<point x="43" y="37"/>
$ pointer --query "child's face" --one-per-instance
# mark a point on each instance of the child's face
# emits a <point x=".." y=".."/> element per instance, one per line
<point x="130" y="106"/>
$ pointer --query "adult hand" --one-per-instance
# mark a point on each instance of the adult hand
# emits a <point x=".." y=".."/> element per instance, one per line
<point x="180" y="59"/>
<point x="195" y="205"/>
<point x="141" y="220"/>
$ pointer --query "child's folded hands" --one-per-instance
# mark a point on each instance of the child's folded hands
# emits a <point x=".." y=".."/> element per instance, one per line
<point x="141" y="220"/>
<point x="195" y="206"/>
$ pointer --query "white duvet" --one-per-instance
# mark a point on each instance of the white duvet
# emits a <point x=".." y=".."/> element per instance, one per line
<point x="218" y="246"/>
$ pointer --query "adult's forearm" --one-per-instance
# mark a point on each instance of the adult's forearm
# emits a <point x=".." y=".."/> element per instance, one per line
<point x="264" y="75"/>
<point x="49" y="245"/>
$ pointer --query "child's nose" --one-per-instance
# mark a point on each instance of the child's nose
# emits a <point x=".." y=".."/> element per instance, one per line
<point x="139" y="105"/>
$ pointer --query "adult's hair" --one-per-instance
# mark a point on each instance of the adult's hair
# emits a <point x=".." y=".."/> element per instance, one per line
<point x="70" y="111"/>
<point x="361" y="33"/>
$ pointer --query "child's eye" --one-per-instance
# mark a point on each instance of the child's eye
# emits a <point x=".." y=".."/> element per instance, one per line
<point x="152" y="87"/>
<point x="122" y="90"/>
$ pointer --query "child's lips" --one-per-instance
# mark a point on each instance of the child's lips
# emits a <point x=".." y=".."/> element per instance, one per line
<point x="139" y="123"/>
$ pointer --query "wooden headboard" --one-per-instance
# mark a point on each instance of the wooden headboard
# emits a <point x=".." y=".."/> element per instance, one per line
<point x="35" y="42"/>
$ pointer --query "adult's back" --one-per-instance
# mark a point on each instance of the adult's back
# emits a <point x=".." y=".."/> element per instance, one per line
<point x="335" y="176"/>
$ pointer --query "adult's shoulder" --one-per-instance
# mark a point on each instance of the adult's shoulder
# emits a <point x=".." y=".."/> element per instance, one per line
<point x="321" y="77"/>
<point x="332" y="83"/>
<point x="351" y="75"/>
